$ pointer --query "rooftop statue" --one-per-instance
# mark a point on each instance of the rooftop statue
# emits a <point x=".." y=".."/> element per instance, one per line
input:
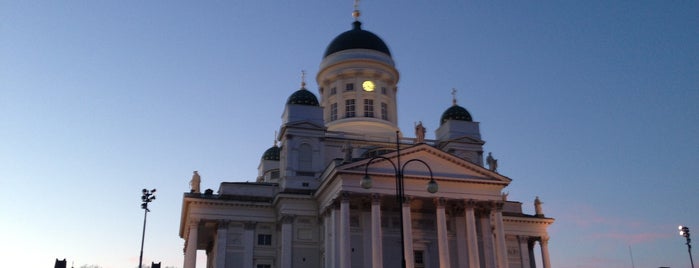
<point x="492" y="162"/>
<point x="195" y="182"/>
<point x="420" y="132"/>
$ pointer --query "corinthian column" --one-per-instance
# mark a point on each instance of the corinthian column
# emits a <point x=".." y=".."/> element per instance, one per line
<point x="501" y="247"/>
<point x="408" y="234"/>
<point x="471" y="236"/>
<point x="345" y="246"/>
<point x="190" y="253"/>
<point x="545" y="252"/>
<point x="442" y="239"/>
<point x="376" y="235"/>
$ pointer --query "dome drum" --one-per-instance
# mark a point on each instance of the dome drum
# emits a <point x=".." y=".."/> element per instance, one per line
<point x="376" y="74"/>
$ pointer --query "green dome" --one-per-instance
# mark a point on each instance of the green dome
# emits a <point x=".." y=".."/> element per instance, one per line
<point x="356" y="38"/>
<point x="303" y="97"/>
<point x="272" y="153"/>
<point x="456" y="112"/>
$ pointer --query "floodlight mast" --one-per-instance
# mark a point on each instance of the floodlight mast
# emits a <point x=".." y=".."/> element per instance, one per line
<point x="684" y="232"/>
<point x="148" y="196"/>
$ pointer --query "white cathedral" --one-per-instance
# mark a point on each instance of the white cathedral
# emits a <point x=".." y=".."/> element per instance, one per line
<point x="346" y="188"/>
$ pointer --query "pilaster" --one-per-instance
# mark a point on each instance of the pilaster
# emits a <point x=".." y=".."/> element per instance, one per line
<point x="286" y="240"/>
<point x="249" y="243"/>
<point x="221" y="243"/>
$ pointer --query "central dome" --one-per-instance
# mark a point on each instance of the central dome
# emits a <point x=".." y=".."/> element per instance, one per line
<point x="356" y="38"/>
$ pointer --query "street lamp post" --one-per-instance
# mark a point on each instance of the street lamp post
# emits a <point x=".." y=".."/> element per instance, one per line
<point x="148" y="196"/>
<point x="366" y="183"/>
<point x="684" y="231"/>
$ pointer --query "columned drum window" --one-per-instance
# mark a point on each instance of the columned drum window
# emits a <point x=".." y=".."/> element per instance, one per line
<point x="333" y="112"/>
<point x="384" y="111"/>
<point x="349" y="108"/>
<point x="368" y="108"/>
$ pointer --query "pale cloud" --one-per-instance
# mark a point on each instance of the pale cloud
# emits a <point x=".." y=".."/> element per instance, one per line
<point x="633" y="238"/>
<point x="629" y="231"/>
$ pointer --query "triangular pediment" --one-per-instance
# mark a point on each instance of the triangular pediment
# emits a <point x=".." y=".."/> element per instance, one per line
<point x="303" y="124"/>
<point x="467" y="139"/>
<point x="444" y="166"/>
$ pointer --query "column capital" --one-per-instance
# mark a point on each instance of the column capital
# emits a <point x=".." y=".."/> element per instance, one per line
<point x="407" y="200"/>
<point x="497" y="205"/>
<point x="544" y="240"/>
<point x="523" y="238"/>
<point x="344" y="196"/>
<point x="483" y="208"/>
<point x="375" y="198"/>
<point x="287" y="218"/>
<point x="440" y="202"/>
<point x="194" y="222"/>
<point x="470" y="203"/>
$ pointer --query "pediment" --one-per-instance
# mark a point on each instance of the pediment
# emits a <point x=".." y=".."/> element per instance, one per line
<point x="303" y="124"/>
<point x="444" y="166"/>
<point x="467" y="139"/>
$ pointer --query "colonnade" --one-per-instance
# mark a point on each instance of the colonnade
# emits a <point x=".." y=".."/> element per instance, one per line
<point x="216" y="254"/>
<point x="491" y="253"/>
<point x="478" y="226"/>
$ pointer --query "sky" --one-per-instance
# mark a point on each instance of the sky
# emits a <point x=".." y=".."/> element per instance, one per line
<point x="590" y="105"/>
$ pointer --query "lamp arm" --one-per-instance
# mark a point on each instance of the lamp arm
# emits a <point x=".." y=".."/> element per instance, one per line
<point x="366" y="168"/>
<point x="417" y="160"/>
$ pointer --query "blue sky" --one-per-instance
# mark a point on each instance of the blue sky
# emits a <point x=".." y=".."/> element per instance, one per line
<point x="591" y="105"/>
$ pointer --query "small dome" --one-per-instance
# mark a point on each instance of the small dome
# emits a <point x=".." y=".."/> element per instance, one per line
<point x="356" y="38"/>
<point x="303" y="97"/>
<point x="272" y="153"/>
<point x="456" y="112"/>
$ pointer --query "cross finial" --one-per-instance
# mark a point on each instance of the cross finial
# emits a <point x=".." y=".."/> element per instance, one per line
<point x="453" y="96"/>
<point x="303" y="80"/>
<point x="355" y="13"/>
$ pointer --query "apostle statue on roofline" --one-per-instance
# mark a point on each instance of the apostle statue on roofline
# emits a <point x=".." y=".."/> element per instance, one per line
<point x="195" y="182"/>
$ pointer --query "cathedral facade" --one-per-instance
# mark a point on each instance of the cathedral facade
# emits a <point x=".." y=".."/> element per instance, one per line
<point x="344" y="187"/>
